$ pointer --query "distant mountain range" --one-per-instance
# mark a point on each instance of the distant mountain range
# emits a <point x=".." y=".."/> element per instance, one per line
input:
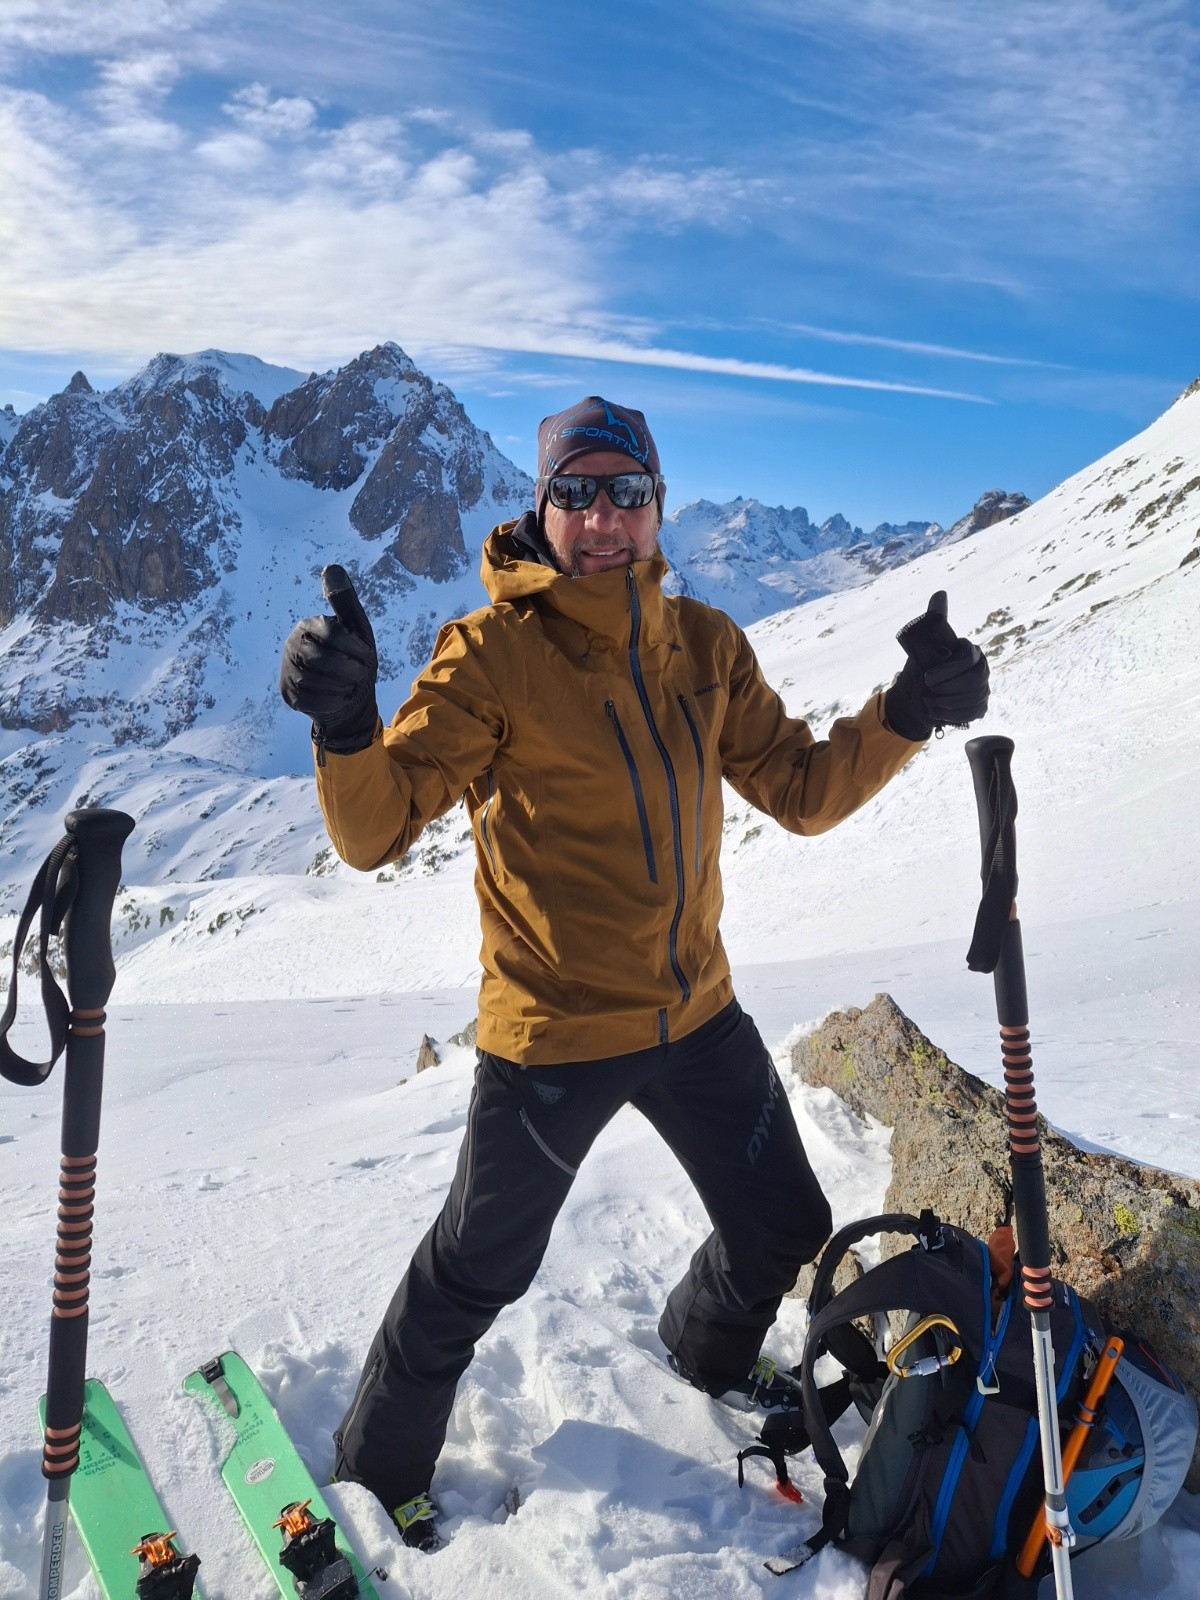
<point x="158" y="540"/>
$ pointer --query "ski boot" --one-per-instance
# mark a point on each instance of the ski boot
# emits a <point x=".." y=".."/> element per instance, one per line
<point x="319" y="1570"/>
<point x="417" y="1520"/>
<point x="766" y="1387"/>
<point x="163" y="1574"/>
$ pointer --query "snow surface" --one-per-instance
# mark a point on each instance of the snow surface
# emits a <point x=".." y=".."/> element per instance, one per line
<point x="240" y="373"/>
<point x="266" y="1169"/>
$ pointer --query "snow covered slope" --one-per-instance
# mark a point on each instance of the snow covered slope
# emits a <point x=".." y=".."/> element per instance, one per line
<point x="1087" y="605"/>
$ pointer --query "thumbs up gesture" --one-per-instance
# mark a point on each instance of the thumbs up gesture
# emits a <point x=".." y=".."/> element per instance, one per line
<point x="944" y="681"/>
<point x="329" y="669"/>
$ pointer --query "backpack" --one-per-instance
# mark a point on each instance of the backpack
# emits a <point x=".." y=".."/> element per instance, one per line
<point x="949" y="1479"/>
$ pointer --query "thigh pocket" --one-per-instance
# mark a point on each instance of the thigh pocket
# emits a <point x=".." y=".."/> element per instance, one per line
<point x="563" y="1166"/>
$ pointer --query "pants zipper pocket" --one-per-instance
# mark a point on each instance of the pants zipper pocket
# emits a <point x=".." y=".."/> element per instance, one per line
<point x="364" y="1390"/>
<point x="571" y="1172"/>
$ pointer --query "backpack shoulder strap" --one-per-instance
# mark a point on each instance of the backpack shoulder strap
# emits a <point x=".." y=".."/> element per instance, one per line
<point x="900" y="1283"/>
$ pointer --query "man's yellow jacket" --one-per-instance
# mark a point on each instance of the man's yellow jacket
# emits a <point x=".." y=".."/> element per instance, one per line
<point x="589" y="723"/>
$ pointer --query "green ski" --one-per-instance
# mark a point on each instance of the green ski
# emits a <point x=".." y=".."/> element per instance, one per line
<point x="280" y="1504"/>
<point x="121" y="1524"/>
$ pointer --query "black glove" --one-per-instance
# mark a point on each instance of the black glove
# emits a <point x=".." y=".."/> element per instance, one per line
<point x="943" y="682"/>
<point x="329" y="668"/>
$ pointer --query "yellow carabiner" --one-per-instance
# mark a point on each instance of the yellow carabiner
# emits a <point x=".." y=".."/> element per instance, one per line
<point x="927" y="1365"/>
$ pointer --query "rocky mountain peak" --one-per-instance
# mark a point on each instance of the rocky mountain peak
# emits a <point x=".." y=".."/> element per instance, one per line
<point x="140" y="514"/>
<point x="326" y="429"/>
<point x="995" y="505"/>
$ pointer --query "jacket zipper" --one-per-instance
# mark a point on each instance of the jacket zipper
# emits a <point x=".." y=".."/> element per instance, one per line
<point x="639" y="798"/>
<point x="483" y="819"/>
<point x="635" y="666"/>
<point x="692" y="729"/>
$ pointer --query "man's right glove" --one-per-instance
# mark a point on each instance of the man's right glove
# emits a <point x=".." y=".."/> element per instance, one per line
<point x="944" y="682"/>
<point x="329" y="669"/>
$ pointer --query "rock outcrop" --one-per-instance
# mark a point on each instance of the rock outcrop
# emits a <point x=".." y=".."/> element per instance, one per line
<point x="1125" y="1235"/>
<point x="996" y="505"/>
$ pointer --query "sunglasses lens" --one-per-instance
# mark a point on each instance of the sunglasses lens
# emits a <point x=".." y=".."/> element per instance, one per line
<point x="572" y="493"/>
<point x="627" y="491"/>
<point x="631" y="490"/>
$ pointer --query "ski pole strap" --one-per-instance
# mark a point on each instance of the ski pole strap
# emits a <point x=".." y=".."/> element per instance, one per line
<point x="996" y="798"/>
<point x="54" y="889"/>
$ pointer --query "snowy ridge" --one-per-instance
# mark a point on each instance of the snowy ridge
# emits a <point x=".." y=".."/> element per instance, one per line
<point x="753" y="560"/>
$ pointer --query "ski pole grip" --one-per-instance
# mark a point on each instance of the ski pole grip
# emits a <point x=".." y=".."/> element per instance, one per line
<point x="990" y="758"/>
<point x="99" y="835"/>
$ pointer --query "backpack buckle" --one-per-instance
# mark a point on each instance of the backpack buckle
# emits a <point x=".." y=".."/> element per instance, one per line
<point x="930" y="1231"/>
<point x="982" y="1385"/>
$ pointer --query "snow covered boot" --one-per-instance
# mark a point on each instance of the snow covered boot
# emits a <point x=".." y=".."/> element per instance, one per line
<point x="417" y="1520"/>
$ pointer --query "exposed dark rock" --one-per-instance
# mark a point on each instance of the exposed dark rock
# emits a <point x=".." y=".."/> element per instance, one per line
<point x="123" y="511"/>
<point x="328" y="428"/>
<point x="1126" y="1235"/>
<point x="427" y="1054"/>
<point x="997" y="505"/>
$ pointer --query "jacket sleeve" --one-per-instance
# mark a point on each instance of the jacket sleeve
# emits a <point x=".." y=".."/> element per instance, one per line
<point x="807" y="784"/>
<point x="376" y="801"/>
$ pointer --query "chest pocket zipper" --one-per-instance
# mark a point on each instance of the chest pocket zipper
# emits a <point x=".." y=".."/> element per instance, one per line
<point x="695" y="733"/>
<point x="639" y="799"/>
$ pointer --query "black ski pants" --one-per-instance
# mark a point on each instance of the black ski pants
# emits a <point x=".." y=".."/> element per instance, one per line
<point x="716" y="1099"/>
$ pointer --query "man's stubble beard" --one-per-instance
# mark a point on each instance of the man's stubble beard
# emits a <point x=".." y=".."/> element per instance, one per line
<point x="576" y="573"/>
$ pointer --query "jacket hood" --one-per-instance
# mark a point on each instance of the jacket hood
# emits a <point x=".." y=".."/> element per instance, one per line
<point x="512" y="569"/>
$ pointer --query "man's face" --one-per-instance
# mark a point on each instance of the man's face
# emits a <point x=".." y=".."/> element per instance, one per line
<point x="583" y="542"/>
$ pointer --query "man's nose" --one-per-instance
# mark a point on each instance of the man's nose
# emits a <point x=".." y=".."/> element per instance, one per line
<point x="601" y="514"/>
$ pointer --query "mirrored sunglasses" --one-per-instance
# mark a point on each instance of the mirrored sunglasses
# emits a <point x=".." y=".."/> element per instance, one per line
<point x="627" y="491"/>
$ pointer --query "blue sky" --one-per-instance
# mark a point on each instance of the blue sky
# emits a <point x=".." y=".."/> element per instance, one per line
<point x="873" y="256"/>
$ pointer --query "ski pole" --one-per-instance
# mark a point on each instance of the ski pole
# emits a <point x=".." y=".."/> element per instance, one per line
<point x="1085" y="1421"/>
<point x="996" y="948"/>
<point x="74" y="889"/>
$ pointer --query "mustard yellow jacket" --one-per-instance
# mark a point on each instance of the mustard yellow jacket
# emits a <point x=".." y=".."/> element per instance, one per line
<point x="589" y="722"/>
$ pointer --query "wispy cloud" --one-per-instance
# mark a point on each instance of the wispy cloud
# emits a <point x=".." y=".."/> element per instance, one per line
<point x="731" y="367"/>
<point x="913" y="346"/>
<point x="1084" y="111"/>
<point x="333" y="237"/>
<point x="270" y="116"/>
<point x="129" y="98"/>
<point x="66" y="27"/>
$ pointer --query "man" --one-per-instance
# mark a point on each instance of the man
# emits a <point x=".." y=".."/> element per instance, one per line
<point x="588" y="720"/>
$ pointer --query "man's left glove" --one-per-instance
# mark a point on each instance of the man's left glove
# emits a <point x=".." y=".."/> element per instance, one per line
<point x="943" y="683"/>
<point x="329" y="669"/>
